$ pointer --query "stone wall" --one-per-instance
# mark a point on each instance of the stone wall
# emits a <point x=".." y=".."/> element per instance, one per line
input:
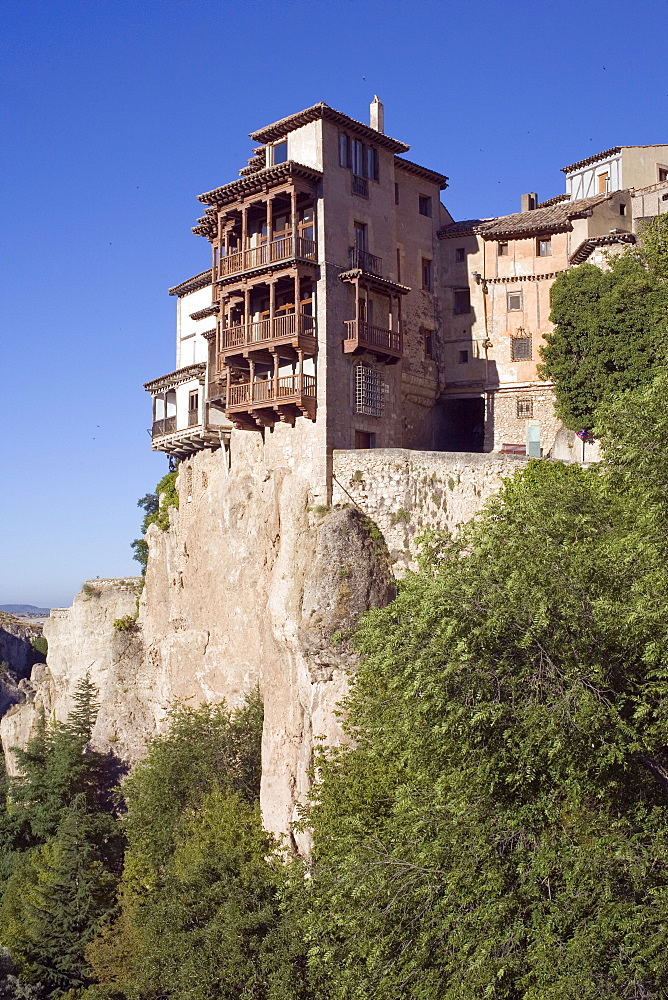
<point x="407" y="491"/>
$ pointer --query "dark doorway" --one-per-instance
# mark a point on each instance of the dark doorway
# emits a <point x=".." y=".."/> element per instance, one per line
<point x="463" y="424"/>
<point x="364" y="440"/>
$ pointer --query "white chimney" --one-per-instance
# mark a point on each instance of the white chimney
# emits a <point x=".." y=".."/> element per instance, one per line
<point x="377" y="114"/>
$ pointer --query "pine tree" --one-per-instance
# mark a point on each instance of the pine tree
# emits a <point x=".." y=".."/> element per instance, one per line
<point x="55" y="902"/>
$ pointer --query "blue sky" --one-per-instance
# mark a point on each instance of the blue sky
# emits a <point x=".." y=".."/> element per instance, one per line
<point x="116" y="115"/>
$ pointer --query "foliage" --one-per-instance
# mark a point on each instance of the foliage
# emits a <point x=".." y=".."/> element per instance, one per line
<point x="200" y="890"/>
<point x="61" y="849"/>
<point x="156" y="506"/>
<point x="54" y="902"/>
<point x="125" y="624"/>
<point x="653" y="249"/>
<point x="498" y="826"/>
<point x="40" y="645"/>
<point x="608" y="336"/>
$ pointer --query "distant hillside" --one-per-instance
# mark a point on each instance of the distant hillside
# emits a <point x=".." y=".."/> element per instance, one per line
<point x="25" y="609"/>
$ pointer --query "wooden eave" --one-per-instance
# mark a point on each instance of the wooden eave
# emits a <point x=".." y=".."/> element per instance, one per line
<point x="587" y="247"/>
<point x="547" y="229"/>
<point x="260" y="181"/>
<point x="278" y="130"/>
<point x="374" y="281"/>
<point x="593" y="159"/>
<point x="192" y="284"/>
<point x="211" y="310"/>
<point x="424" y="172"/>
<point x="176" y="378"/>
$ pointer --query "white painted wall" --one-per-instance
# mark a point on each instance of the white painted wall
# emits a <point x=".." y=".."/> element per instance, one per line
<point x="191" y="347"/>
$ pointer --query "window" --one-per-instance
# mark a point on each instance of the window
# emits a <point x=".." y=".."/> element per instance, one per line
<point x="344" y="150"/>
<point x="463" y="357"/>
<point x="396" y="194"/>
<point x="425" y="205"/>
<point x="502" y="249"/>
<point x="663" y="174"/>
<point x="524" y="408"/>
<point x="398" y="264"/>
<point x="462" y="301"/>
<point x="279" y="152"/>
<point x="429" y="345"/>
<point x="622" y="208"/>
<point x="460" y="255"/>
<point x="544" y="246"/>
<point x="369" y="391"/>
<point x="193" y="408"/>
<point x="361" y="231"/>
<point x="602" y="181"/>
<point x="355" y="155"/>
<point x="514" y="301"/>
<point x="520" y="348"/>
<point x="426" y="274"/>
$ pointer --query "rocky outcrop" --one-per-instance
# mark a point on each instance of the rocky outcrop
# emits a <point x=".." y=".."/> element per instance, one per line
<point x="247" y="587"/>
<point x="17" y="640"/>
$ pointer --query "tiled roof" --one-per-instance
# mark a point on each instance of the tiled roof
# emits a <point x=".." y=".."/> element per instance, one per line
<point x="256" y="182"/>
<point x="593" y="159"/>
<point x="551" y="219"/>
<point x="588" y="246"/>
<point x="553" y="201"/>
<point x="279" y="129"/>
<point x="469" y="227"/>
<point x="192" y="284"/>
<point x="425" y="172"/>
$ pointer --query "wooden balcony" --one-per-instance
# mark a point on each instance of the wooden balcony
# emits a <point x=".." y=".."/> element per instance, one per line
<point x="162" y="427"/>
<point x="285" y="248"/>
<point x="297" y="329"/>
<point x="264" y="401"/>
<point x="359" y="336"/>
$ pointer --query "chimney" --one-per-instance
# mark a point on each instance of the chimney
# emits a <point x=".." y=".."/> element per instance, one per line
<point x="377" y="114"/>
<point x="528" y="202"/>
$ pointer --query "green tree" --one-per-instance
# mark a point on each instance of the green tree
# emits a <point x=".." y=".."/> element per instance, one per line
<point x="156" y="506"/>
<point x="608" y="335"/>
<point x="54" y="902"/>
<point x="201" y="911"/>
<point x="498" y="826"/>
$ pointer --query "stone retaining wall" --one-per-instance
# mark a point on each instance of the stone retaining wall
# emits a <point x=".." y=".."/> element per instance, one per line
<point x="407" y="491"/>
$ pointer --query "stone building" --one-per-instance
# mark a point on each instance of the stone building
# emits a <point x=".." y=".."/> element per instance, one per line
<point x="496" y="306"/>
<point x="497" y="275"/>
<point x="317" y="326"/>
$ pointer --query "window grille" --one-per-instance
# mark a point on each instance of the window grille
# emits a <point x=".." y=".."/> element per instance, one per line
<point x="521" y="348"/>
<point x="369" y="391"/>
<point x="525" y="407"/>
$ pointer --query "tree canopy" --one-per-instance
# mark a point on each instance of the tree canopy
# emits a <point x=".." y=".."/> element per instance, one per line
<point x="609" y="328"/>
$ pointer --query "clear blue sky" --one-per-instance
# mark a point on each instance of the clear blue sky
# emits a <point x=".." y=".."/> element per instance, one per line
<point x="116" y="115"/>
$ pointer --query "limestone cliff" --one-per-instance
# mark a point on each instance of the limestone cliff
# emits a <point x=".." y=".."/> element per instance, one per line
<point x="245" y="588"/>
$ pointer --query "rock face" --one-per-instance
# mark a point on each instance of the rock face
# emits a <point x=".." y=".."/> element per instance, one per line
<point x="246" y="588"/>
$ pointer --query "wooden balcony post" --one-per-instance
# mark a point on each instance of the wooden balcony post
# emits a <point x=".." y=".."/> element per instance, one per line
<point x="275" y="354"/>
<point x="251" y="366"/>
<point x="300" y="355"/>
<point x="270" y="203"/>
<point x="247" y="321"/>
<point x="293" y="216"/>
<point x="272" y="306"/>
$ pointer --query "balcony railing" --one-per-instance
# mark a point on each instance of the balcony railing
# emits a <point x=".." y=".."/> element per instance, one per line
<point x="375" y="338"/>
<point x="285" y="248"/>
<point x="265" y="331"/>
<point x="285" y="389"/>
<point x="165" y="426"/>
<point x="360" y="186"/>
<point x="366" y="261"/>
